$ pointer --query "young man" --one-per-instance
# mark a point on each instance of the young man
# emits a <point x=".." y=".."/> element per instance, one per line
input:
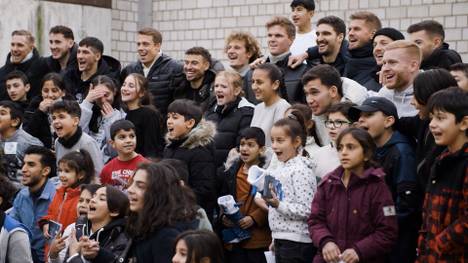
<point x="91" y="63"/>
<point x="13" y="139"/>
<point x="241" y="48"/>
<point x="65" y="121"/>
<point x="324" y="87"/>
<point x="234" y="182"/>
<point x="17" y="86"/>
<point x="197" y="81"/>
<point x="63" y="49"/>
<point x="24" y="57"/>
<point x="429" y="35"/>
<point x="32" y="202"/>
<point x="302" y="12"/>
<point x="118" y="171"/>
<point x="443" y="234"/>
<point x="400" y="66"/>
<point x="460" y="72"/>
<point x="396" y="155"/>
<point x="156" y="66"/>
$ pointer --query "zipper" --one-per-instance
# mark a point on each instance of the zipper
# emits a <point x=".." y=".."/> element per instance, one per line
<point x="61" y="206"/>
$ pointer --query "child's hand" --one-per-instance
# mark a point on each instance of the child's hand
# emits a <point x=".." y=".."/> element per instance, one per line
<point x="106" y="109"/>
<point x="89" y="248"/>
<point x="246" y="222"/>
<point x="57" y="245"/>
<point x="227" y="222"/>
<point x="260" y="202"/>
<point x="350" y="256"/>
<point x="45" y="231"/>
<point x="273" y="201"/>
<point x="73" y="246"/>
<point x="45" y="105"/>
<point x="331" y="252"/>
<point x="95" y="93"/>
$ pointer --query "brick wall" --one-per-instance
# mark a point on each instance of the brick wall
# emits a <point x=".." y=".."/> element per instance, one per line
<point x="124" y="28"/>
<point x="206" y="22"/>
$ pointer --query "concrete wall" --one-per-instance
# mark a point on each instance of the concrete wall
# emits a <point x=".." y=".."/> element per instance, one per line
<point x="206" y="22"/>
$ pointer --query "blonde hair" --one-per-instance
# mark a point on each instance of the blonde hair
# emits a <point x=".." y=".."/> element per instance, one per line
<point x="234" y="78"/>
<point x="370" y="18"/>
<point x="410" y="48"/>
<point x="251" y="43"/>
<point x="25" y="33"/>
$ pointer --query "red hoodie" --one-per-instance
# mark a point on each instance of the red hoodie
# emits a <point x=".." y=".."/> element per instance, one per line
<point x="62" y="209"/>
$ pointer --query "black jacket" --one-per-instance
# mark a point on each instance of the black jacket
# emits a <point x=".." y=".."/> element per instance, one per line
<point x="314" y="58"/>
<point x="197" y="151"/>
<point x="442" y="57"/>
<point x="160" y="79"/>
<point x="203" y="96"/>
<point x="360" y="66"/>
<point x="35" y="69"/>
<point x="72" y="63"/>
<point x="108" y="66"/>
<point x="230" y="120"/>
<point x="292" y="80"/>
<point x="37" y="124"/>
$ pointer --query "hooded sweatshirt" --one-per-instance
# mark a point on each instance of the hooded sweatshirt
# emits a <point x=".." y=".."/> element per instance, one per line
<point x="401" y="99"/>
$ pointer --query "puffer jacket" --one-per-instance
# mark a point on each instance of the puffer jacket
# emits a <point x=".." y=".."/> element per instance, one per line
<point x="160" y="79"/>
<point x="230" y="120"/>
<point x="197" y="151"/>
<point x="361" y="216"/>
<point x="442" y="57"/>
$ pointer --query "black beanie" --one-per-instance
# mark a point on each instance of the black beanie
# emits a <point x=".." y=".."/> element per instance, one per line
<point x="390" y="32"/>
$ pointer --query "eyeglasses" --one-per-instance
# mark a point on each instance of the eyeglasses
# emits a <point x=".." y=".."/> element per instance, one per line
<point x="335" y="124"/>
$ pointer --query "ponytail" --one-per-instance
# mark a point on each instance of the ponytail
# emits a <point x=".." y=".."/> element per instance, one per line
<point x="80" y="161"/>
<point x="295" y="126"/>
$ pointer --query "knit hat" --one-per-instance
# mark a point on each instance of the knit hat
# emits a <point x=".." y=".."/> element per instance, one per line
<point x="390" y="32"/>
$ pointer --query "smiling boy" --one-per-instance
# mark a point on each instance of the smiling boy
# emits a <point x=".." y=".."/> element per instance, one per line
<point x="302" y="12"/>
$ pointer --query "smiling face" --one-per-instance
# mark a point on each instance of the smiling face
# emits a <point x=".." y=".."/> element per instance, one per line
<point x="237" y="54"/>
<point x="380" y="42"/>
<point x="351" y="153"/>
<point x="124" y="142"/>
<point x="64" y="124"/>
<point x="83" y="203"/>
<point x="59" y="45"/>
<point x="50" y="91"/>
<point x="67" y="175"/>
<point x="262" y="86"/>
<point x="328" y="41"/>
<point x="108" y="96"/>
<point x="20" y="47"/>
<point x="446" y="130"/>
<point x="177" y="126"/>
<point x="195" y="67"/>
<point x="398" y="69"/>
<point x="180" y="255"/>
<point x="319" y="97"/>
<point x="130" y="92"/>
<point x="300" y="16"/>
<point x="98" y="208"/>
<point x="359" y="33"/>
<point x="34" y="173"/>
<point x="225" y="91"/>
<point x="278" y="40"/>
<point x="283" y="145"/>
<point x="250" y="151"/>
<point x="136" y="191"/>
<point x="17" y="90"/>
<point x="147" y="49"/>
<point x="88" y="59"/>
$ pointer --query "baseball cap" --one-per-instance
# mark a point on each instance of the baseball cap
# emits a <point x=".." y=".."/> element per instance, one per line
<point x="373" y="104"/>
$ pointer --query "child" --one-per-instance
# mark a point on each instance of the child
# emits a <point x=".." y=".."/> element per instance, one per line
<point x="326" y="159"/>
<point x="190" y="139"/>
<point x="37" y="120"/>
<point x="147" y="120"/>
<point x="13" y="139"/>
<point x="74" y="168"/>
<point x="460" y="72"/>
<point x="198" y="247"/>
<point x="443" y="234"/>
<point x="65" y="120"/>
<point x="396" y="155"/>
<point x="234" y="182"/>
<point x="267" y="84"/>
<point x="119" y="170"/>
<point x="353" y="218"/>
<point x="17" y="87"/>
<point x="302" y="12"/>
<point x="287" y="216"/>
<point x="99" y="110"/>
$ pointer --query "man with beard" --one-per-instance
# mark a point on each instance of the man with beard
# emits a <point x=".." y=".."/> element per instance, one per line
<point x="197" y="81"/>
<point x="401" y="61"/>
<point x="32" y="202"/>
<point x="62" y="48"/>
<point x="24" y="57"/>
<point x="158" y="68"/>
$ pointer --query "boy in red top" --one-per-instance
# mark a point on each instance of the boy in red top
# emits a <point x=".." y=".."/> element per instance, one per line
<point x="120" y="169"/>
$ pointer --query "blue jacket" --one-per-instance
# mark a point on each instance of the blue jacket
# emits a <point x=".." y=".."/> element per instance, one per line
<point x="28" y="212"/>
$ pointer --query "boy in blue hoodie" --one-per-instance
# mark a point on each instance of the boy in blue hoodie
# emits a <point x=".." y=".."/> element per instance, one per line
<point x="395" y="153"/>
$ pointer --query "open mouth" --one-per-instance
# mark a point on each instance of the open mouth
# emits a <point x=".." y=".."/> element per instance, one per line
<point x="220" y="97"/>
<point x="232" y="56"/>
<point x="389" y="77"/>
<point x="92" y="208"/>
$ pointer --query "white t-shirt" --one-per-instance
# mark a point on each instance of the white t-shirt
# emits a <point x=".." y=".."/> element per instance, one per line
<point x="302" y="42"/>
<point x="264" y="117"/>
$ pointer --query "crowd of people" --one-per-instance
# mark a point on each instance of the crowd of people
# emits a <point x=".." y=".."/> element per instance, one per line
<point x="340" y="144"/>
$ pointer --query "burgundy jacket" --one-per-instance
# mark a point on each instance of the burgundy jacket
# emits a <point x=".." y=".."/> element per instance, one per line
<point x="361" y="217"/>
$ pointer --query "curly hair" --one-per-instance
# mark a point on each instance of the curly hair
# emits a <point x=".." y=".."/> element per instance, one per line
<point x="251" y="43"/>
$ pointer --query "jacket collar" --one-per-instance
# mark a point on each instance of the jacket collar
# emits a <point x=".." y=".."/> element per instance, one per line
<point x="370" y="173"/>
<point x="362" y="52"/>
<point x="201" y="135"/>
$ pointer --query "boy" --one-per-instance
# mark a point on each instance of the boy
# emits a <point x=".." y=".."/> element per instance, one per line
<point x="120" y="169"/>
<point x="460" y="72"/>
<point x="33" y="200"/>
<point x="13" y="139"/>
<point x="190" y="139"/>
<point x="396" y="155"/>
<point x="445" y="216"/>
<point x="234" y="182"/>
<point x="302" y="12"/>
<point x="17" y="87"/>
<point x="65" y="121"/>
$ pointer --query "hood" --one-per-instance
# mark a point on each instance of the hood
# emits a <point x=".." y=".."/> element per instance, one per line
<point x="71" y="192"/>
<point x="202" y="135"/>
<point x="441" y="57"/>
<point x="232" y="159"/>
<point x="108" y="65"/>
<point x="300" y="161"/>
<point x="371" y="173"/>
<point x="114" y="228"/>
<point x="396" y="138"/>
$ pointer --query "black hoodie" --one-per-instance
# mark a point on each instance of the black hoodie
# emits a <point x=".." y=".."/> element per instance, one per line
<point x="72" y="63"/>
<point x="442" y="57"/>
<point x="360" y="66"/>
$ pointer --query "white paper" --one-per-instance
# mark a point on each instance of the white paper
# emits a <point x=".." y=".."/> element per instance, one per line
<point x="270" y="257"/>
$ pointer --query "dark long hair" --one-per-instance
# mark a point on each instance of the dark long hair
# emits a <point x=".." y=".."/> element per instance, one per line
<point x="202" y="244"/>
<point x="80" y="161"/>
<point x="275" y="74"/>
<point x="294" y="126"/>
<point x="365" y="140"/>
<point x="166" y="201"/>
<point x="307" y="115"/>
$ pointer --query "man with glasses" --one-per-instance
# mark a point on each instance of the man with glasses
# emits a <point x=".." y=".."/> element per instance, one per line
<point x="324" y="87"/>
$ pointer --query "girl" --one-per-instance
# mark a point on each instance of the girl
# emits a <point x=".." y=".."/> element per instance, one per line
<point x="99" y="110"/>
<point x="59" y="246"/>
<point x="287" y="215"/>
<point x="160" y="208"/>
<point x="37" y="121"/>
<point x="147" y="120"/>
<point x="353" y="217"/>
<point x="268" y="86"/>
<point x="230" y="111"/>
<point x="199" y="246"/>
